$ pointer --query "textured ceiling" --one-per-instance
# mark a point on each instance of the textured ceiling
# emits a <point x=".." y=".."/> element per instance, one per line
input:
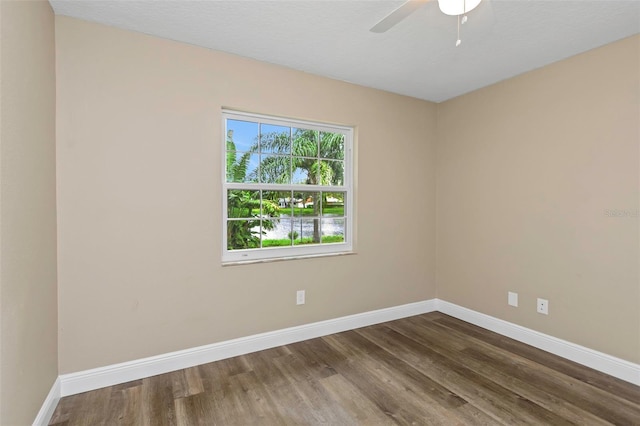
<point x="417" y="57"/>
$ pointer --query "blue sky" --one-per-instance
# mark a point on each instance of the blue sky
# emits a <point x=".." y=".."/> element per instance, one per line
<point x="244" y="133"/>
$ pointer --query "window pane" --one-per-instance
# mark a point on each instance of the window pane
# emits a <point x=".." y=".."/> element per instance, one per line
<point x="275" y="139"/>
<point x="242" y="203"/>
<point x="333" y="204"/>
<point x="306" y="231"/>
<point x="332" y="172"/>
<point x="282" y="201"/>
<point x="275" y="169"/>
<point x="276" y="218"/>
<point x="305" y="171"/>
<point x="332" y="145"/>
<point x="269" y="205"/>
<point x="242" y="167"/>
<point x="306" y="204"/>
<point x="279" y="234"/>
<point x="305" y="142"/>
<point x="241" y="135"/>
<point x="333" y="230"/>
<point x="241" y="234"/>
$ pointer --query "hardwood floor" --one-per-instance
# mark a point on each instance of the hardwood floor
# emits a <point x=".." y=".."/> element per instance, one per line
<point x="425" y="370"/>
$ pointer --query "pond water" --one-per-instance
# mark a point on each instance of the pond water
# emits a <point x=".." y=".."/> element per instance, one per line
<point x="330" y="225"/>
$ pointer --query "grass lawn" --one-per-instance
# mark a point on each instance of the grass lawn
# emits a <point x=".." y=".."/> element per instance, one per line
<point x="309" y="240"/>
<point x="297" y="211"/>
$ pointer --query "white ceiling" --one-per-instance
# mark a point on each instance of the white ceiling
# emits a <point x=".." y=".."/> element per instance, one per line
<point x="417" y="57"/>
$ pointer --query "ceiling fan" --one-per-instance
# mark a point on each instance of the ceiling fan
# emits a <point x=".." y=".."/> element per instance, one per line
<point x="458" y="8"/>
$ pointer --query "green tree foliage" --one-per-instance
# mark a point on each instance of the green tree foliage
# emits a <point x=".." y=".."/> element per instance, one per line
<point x="306" y="147"/>
<point x="303" y="146"/>
<point x="245" y="204"/>
<point x="318" y="155"/>
<point x="236" y="168"/>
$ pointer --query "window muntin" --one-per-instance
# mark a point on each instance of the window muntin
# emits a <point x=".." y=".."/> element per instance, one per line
<point x="286" y="188"/>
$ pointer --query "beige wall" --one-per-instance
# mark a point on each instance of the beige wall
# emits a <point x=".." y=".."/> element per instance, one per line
<point x="139" y="199"/>
<point x="526" y="171"/>
<point x="28" y="301"/>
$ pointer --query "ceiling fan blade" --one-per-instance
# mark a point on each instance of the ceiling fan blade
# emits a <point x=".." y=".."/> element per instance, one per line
<point x="397" y="15"/>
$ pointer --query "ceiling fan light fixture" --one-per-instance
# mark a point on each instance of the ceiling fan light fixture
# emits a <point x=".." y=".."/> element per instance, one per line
<point x="457" y="7"/>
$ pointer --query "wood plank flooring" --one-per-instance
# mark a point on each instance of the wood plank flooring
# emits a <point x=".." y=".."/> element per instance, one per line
<point x="429" y="369"/>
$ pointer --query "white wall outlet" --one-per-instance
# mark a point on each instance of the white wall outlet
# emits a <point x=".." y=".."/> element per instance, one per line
<point x="543" y="306"/>
<point x="513" y="299"/>
<point x="300" y="297"/>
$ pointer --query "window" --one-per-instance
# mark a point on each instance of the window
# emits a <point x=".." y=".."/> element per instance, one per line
<point x="287" y="188"/>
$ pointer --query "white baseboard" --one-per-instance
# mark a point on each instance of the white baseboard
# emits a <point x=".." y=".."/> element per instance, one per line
<point x="96" y="378"/>
<point x="616" y="367"/>
<point x="83" y="381"/>
<point x="49" y="405"/>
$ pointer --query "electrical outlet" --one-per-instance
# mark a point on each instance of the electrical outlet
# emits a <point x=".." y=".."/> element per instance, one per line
<point x="300" y="297"/>
<point x="543" y="306"/>
<point x="513" y="299"/>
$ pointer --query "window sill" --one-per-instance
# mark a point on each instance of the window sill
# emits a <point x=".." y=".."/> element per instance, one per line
<point x="287" y="258"/>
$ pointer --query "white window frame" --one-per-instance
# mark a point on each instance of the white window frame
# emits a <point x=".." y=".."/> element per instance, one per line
<point x="295" y="251"/>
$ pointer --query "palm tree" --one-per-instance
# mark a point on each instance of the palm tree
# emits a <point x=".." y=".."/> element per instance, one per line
<point x="317" y="154"/>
